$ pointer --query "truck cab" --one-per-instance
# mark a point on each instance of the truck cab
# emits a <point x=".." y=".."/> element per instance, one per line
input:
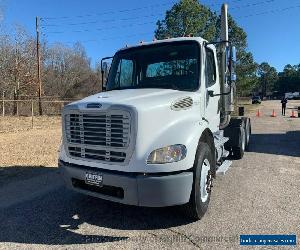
<point x="153" y="138"/>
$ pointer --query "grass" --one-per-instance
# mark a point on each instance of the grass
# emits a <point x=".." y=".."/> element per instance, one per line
<point x="250" y="108"/>
<point x="22" y="145"/>
<point x="21" y="123"/>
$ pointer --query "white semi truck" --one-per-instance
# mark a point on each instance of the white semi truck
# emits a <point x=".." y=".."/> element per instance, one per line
<point x="163" y="128"/>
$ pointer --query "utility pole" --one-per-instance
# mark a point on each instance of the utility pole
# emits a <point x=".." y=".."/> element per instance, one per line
<point x="17" y="82"/>
<point x="38" y="57"/>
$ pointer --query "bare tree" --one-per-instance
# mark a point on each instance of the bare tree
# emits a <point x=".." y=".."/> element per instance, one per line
<point x="66" y="71"/>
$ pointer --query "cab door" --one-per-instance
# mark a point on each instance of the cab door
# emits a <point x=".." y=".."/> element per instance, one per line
<point x="212" y="87"/>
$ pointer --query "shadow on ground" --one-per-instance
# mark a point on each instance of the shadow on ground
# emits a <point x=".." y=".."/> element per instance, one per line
<point x="61" y="216"/>
<point x="10" y="174"/>
<point x="54" y="218"/>
<point x="278" y="144"/>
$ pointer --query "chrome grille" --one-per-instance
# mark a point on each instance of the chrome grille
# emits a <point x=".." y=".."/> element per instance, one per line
<point x="102" y="137"/>
<point x="95" y="154"/>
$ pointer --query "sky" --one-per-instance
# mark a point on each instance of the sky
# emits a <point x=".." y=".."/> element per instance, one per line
<point x="272" y="26"/>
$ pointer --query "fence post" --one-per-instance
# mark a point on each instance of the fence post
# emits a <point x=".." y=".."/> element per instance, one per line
<point x="32" y="113"/>
<point x="3" y="108"/>
<point x="61" y="107"/>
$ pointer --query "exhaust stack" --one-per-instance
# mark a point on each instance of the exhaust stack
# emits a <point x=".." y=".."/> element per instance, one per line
<point x="227" y="100"/>
<point x="224" y="23"/>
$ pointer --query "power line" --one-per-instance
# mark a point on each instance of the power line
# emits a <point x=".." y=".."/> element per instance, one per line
<point x="138" y="17"/>
<point x="130" y="10"/>
<point x="145" y="23"/>
<point x="270" y="11"/>
<point x="110" y="12"/>
<point x="252" y="4"/>
<point x="122" y="19"/>
<point x="106" y="38"/>
<point x="97" y="21"/>
<point x="101" y="29"/>
<point x="251" y="15"/>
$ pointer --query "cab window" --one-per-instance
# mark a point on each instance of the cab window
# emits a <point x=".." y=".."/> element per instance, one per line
<point x="210" y="68"/>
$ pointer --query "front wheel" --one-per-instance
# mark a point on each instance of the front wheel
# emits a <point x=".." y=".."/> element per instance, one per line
<point x="202" y="183"/>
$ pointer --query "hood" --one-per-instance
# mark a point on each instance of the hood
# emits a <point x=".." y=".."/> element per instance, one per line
<point x="138" y="98"/>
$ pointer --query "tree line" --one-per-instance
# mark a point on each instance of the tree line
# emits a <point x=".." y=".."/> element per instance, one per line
<point x="189" y="17"/>
<point x="67" y="71"/>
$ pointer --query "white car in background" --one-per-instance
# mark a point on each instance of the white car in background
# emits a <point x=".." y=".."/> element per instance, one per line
<point x="289" y="95"/>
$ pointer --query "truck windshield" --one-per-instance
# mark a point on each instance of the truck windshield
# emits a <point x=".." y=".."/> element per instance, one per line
<point x="167" y="65"/>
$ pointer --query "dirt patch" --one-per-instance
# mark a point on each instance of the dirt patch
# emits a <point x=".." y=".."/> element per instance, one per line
<point x="21" y="123"/>
<point x="30" y="147"/>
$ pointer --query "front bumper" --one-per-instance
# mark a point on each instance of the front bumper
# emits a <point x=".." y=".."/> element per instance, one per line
<point x="149" y="190"/>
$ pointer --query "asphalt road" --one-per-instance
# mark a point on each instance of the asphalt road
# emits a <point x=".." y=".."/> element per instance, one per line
<point x="258" y="195"/>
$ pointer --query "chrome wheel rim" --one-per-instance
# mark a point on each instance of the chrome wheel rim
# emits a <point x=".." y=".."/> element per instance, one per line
<point x="203" y="180"/>
<point x="248" y="134"/>
<point x="243" y="141"/>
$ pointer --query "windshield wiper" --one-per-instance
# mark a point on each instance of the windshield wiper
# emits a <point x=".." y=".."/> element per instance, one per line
<point x="172" y="86"/>
<point x="121" y="88"/>
<point x="158" y="86"/>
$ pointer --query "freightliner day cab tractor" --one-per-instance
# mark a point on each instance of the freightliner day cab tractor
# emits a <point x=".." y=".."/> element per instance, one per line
<point x="162" y="130"/>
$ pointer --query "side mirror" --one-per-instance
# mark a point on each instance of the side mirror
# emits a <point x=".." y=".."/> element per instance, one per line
<point x="233" y="64"/>
<point x="230" y="63"/>
<point x="105" y="66"/>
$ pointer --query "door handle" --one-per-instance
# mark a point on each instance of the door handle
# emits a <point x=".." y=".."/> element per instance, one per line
<point x="205" y="119"/>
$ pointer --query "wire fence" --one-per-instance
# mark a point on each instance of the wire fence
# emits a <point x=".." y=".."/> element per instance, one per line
<point x="19" y="115"/>
<point x="31" y="107"/>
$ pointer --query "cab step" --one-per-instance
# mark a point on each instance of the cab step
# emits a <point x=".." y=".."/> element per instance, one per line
<point x="224" y="167"/>
<point x="225" y="153"/>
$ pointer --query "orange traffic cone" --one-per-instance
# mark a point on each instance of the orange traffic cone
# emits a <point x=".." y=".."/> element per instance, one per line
<point x="293" y="114"/>
<point x="273" y="114"/>
<point x="258" y="114"/>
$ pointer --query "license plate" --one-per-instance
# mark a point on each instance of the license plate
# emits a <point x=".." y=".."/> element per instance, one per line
<point x="95" y="179"/>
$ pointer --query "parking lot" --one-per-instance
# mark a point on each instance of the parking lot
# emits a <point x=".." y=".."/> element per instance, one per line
<point x="258" y="195"/>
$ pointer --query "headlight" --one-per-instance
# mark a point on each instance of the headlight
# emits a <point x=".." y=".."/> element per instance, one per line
<point x="167" y="154"/>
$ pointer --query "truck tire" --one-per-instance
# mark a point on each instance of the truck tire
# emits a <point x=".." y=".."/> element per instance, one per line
<point x="202" y="183"/>
<point x="238" y="152"/>
<point x="238" y="139"/>
<point x="247" y="133"/>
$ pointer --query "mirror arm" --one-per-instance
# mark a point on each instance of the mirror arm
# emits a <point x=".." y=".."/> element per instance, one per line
<point x="211" y="94"/>
<point x="217" y="42"/>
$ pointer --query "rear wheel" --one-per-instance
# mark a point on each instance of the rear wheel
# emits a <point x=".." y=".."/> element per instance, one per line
<point x="238" y="152"/>
<point x="247" y="133"/>
<point x="202" y="183"/>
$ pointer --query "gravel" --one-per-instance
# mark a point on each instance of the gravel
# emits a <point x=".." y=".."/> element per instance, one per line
<point x="258" y="195"/>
